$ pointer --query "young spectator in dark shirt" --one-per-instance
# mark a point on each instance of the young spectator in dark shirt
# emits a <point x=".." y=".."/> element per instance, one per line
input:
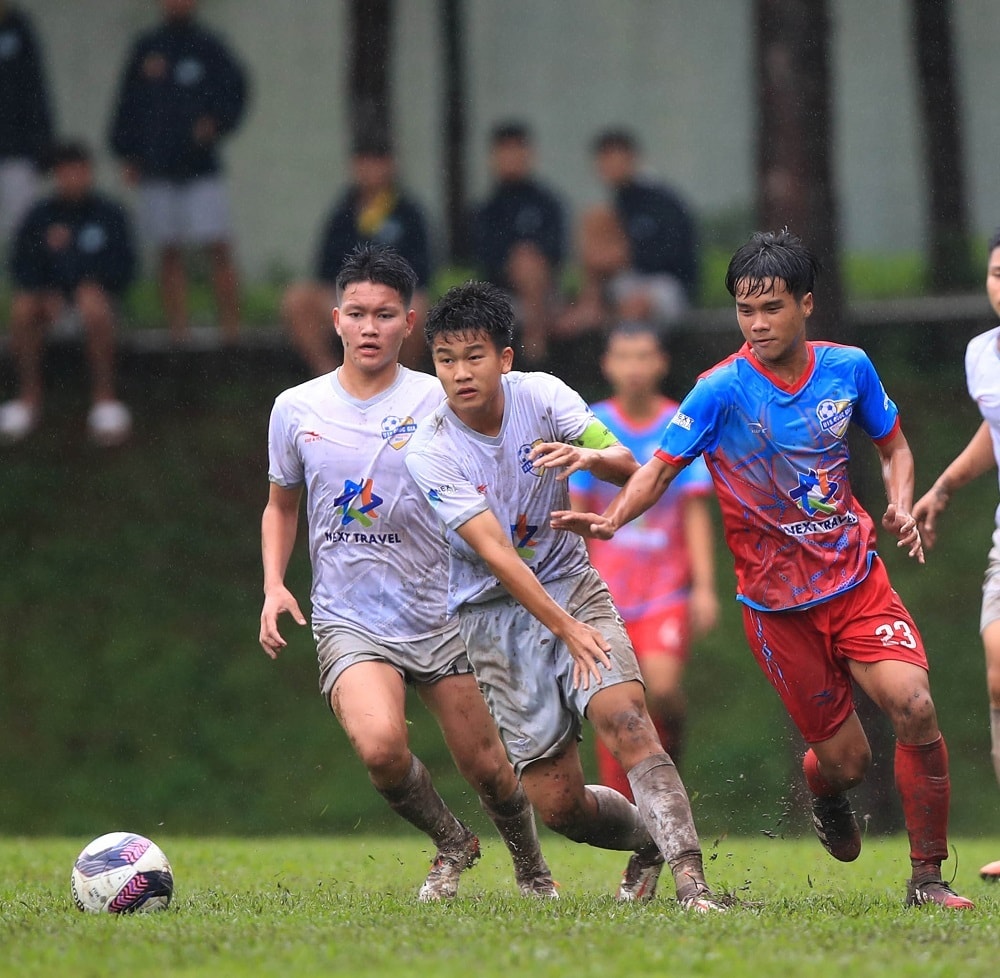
<point x="518" y="236"/>
<point x="182" y="91"/>
<point x="25" y="124"/>
<point x="73" y="249"/>
<point x="373" y="210"/>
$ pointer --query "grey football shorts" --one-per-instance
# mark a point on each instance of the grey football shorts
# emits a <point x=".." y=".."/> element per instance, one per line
<point x="991" y="588"/>
<point x="526" y="674"/>
<point x="421" y="661"/>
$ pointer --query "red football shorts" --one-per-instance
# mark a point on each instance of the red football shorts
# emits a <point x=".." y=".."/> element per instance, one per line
<point x="668" y="632"/>
<point x="805" y="653"/>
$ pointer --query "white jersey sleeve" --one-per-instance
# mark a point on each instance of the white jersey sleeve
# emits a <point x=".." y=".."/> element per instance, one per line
<point x="982" y="376"/>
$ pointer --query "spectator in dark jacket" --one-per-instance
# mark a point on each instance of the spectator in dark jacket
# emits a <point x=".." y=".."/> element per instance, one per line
<point x="73" y="251"/>
<point x="373" y="210"/>
<point x="518" y="236"/>
<point x="25" y="124"/>
<point x="639" y="254"/>
<point x="181" y="93"/>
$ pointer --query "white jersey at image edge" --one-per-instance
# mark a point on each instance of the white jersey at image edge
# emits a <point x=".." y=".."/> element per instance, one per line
<point x="462" y="473"/>
<point x="982" y="377"/>
<point x="379" y="559"/>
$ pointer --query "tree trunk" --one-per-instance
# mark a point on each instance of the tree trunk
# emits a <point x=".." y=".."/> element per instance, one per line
<point x="949" y="260"/>
<point x="794" y="143"/>
<point x="453" y="34"/>
<point x="368" y="67"/>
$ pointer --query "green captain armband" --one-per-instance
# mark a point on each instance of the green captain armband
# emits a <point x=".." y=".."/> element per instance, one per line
<point x="596" y="436"/>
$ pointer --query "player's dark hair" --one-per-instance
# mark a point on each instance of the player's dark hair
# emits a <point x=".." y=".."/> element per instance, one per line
<point x="510" y="130"/>
<point x="382" y="266"/>
<point x="616" y="138"/>
<point x="473" y="307"/>
<point x="638" y="327"/>
<point x="994" y="243"/>
<point x="772" y="255"/>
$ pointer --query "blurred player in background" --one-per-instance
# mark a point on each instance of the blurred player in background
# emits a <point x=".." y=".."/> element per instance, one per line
<point x="380" y="574"/>
<point x="982" y="375"/>
<point x="818" y="608"/>
<point x="661" y="568"/>
<point x="546" y="641"/>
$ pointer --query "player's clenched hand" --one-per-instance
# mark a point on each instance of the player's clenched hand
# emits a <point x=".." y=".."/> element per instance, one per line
<point x="926" y="512"/>
<point x="275" y="603"/>
<point x="559" y="455"/>
<point x="904" y="526"/>
<point x="588" y="525"/>
<point x="590" y="650"/>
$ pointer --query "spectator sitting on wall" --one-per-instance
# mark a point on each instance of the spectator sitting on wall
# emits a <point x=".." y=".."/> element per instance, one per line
<point x="73" y="250"/>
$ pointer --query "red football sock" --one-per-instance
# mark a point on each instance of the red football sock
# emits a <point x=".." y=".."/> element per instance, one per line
<point x="925" y="790"/>
<point x="818" y="785"/>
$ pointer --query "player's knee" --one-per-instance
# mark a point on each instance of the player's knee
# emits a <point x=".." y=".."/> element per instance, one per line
<point x="386" y="757"/>
<point x="913" y="716"/>
<point x="627" y="731"/>
<point x="488" y="772"/>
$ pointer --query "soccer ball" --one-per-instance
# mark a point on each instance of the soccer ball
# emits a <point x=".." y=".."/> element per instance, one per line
<point x="121" y="873"/>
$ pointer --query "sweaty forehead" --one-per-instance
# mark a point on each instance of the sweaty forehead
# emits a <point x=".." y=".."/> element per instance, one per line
<point x="370" y="293"/>
<point x="751" y="288"/>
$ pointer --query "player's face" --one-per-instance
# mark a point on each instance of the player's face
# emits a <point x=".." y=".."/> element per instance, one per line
<point x="634" y="365"/>
<point x="469" y="367"/>
<point x="773" y="322"/>
<point x="372" y="323"/>
<point x="993" y="280"/>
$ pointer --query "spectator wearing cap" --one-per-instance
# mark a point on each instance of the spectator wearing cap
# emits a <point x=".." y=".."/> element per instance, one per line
<point x="181" y="93"/>
<point x="638" y="253"/>
<point x="373" y="210"/>
<point x="25" y="123"/>
<point x="518" y="236"/>
<point x="73" y="251"/>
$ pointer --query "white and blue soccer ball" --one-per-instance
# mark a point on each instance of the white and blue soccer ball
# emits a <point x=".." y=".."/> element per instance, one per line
<point x="121" y="873"/>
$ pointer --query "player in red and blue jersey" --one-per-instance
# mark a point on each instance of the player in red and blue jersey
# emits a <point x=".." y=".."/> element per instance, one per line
<point x="661" y="568"/>
<point x="818" y="608"/>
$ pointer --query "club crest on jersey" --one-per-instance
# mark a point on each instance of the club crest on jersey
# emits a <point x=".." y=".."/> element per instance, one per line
<point x="815" y="493"/>
<point x="834" y="416"/>
<point x="527" y="465"/>
<point x="523" y="535"/>
<point x="358" y="502"/>
<point x="397" y="431"/>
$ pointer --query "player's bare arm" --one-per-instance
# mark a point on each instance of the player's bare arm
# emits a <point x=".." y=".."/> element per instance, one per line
<point x="278" y="527"/>
<point x="585" y="644"/>
<point x="897" y="474"/>
<point x="613" y="463"/>
<point x="643" y="489"/>
<point x="698" y="538"/>
<point x="973" y="461"/>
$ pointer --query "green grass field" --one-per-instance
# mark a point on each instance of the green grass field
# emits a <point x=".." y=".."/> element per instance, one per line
<point x="346" y="906"/>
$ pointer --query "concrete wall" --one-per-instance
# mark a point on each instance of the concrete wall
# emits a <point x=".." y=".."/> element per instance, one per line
<point x="679" y="71"/>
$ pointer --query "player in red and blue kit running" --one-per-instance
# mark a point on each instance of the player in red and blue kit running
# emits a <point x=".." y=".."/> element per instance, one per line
<point x="818" y="608"/>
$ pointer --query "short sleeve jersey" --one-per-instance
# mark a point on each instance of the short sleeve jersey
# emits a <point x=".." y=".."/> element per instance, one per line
<point x="982" y="376"/>
<point x="379" y="558"/>
<point x="646" y="564"/>
<point x="778" y="456"/>
<point x="463" y="473"/>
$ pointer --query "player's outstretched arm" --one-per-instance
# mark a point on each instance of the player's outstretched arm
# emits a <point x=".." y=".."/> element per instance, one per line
<point x="897" y="474"/>
<point x="642" y="490"/>
<point x="278" y="526"/>
<point x="586" y="645"/>
<point x="976" y="458"/>
<point x="614" y="463"/>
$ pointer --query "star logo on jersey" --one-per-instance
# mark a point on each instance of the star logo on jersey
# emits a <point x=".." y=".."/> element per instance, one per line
<point x="813" y="493"/>
<point x="523" y="534"/>
<point x="834" y="416"/>
<point x="397" y="431"/>
<point x="358" y="502"/>
<point x="524" y="459"/>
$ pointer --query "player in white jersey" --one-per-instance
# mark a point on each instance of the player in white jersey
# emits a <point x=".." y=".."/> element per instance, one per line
<point x="542" y="632"/>
<point x="982" y="375"/>
<point x="379" y="567"/>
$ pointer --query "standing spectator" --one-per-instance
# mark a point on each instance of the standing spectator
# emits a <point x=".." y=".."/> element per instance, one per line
<point x="73" y="249"/>
<point x="518" y="236"/>
<point x="639" y="255"/>
<point x="661" y="568"/>
<point x="25" y="124"/>
<point x="182" y="91"/>
<point x="373" y="210"/>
